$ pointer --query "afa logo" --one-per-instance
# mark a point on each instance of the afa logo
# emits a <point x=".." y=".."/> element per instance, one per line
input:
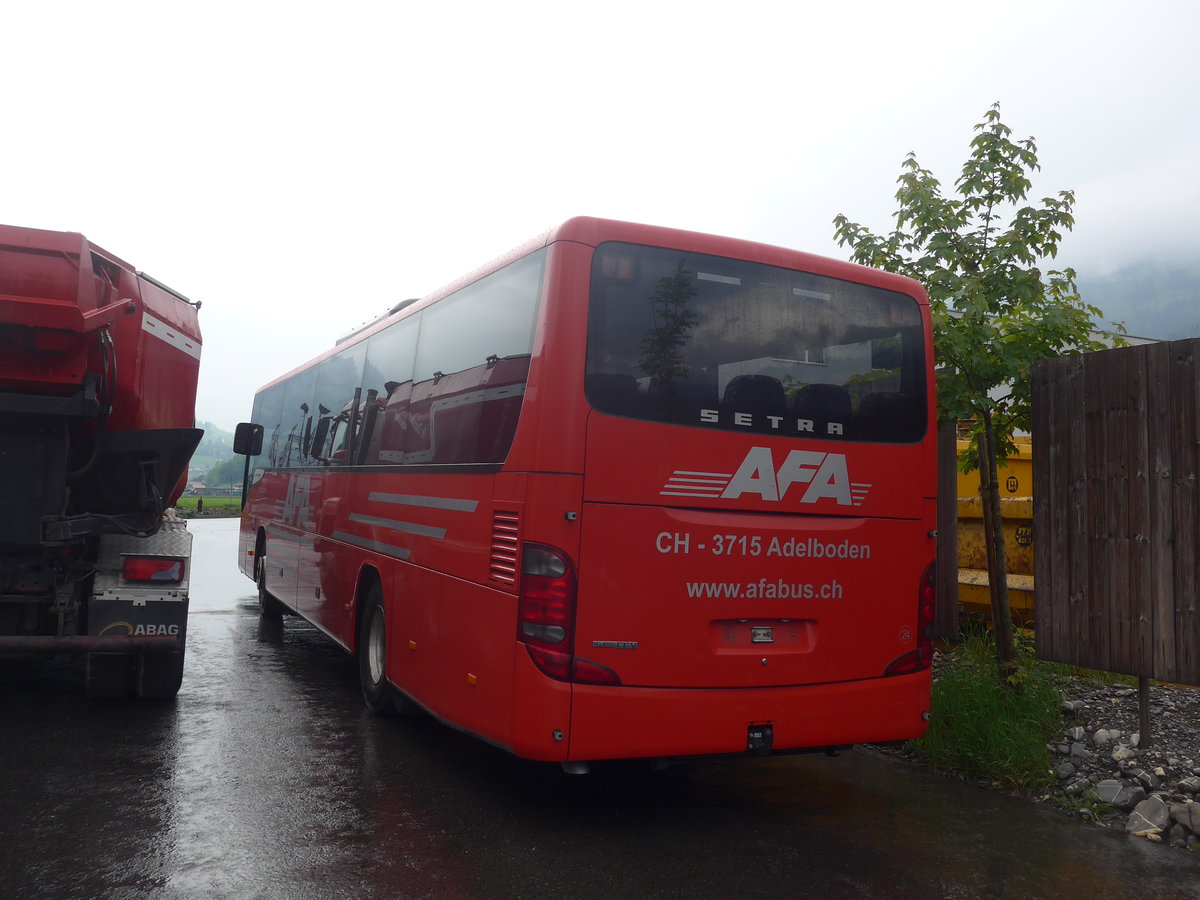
<point x="821" y="476"/>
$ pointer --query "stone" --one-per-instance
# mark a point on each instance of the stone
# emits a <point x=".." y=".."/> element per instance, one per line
<point x="1186" y="815"/>
<point x="1118" y="794"/>
<point x="1104" y="735"/>
<point x="1106" y="790"/>
<point x="1122" y="753"/>
<point x="1065" y="771"/>
<point x="1149" y="817"/>
<point x="1148" y="780"/>
<point x="1076" y="733"/>
<point x="1189" y="785"/>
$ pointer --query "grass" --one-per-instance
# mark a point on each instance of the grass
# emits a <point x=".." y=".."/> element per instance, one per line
<point x="188" y="504"/>
<point x="987" y="728"/>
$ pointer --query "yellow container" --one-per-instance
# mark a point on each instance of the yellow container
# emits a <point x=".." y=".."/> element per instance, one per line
<point x="1016" y="510"/>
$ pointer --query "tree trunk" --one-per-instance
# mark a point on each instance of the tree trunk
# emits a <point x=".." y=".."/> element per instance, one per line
<point x="993" y="529"/>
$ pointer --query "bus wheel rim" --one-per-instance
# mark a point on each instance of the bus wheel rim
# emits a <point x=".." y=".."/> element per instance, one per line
<point x="375" y="647"/>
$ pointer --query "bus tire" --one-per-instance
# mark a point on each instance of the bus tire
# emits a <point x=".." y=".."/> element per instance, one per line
<point x="372" y="655"/>
<point x="159" y="675"/>
<point x="404" y="707"/>
<point x="269" y="608"/>
<point x="107" y="676"/>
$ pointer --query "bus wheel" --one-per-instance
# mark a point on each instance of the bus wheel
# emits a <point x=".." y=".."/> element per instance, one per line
<point x="372" y="655"/>
<point x="269" y="608"/>
<point x="107" y="676"/>
<point x="159" y="675"/>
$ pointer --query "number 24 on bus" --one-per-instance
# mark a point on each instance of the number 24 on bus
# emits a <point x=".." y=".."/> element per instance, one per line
<point x="470" y="494"/>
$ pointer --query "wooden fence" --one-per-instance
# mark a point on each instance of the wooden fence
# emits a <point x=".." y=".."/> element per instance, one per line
<point x="1116" y="509"/>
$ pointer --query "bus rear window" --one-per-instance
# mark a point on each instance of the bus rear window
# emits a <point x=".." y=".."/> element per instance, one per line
<point x="728" y="344"/>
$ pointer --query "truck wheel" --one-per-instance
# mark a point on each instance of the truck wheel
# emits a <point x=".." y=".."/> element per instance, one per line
<point x="269" y="608"/>
<point x="159" y="675"/>
<point x="107" y="676"/>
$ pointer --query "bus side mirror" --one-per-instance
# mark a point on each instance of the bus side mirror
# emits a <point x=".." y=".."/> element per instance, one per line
<point x="248" y="439"/>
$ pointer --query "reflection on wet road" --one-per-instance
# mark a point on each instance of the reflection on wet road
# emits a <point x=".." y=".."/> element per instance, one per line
<point x="267" y="778"/>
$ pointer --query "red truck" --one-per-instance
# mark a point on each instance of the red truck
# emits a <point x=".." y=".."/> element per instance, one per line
<point x="98" y="369"/>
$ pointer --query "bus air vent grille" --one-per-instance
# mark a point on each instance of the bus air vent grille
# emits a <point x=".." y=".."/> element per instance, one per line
<point x="505" y="542"/>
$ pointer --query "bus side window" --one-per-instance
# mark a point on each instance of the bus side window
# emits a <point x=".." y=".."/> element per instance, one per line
<point x="388" y="447"/>
<point x="501" y="408"/>
<point x="389" y="372"/>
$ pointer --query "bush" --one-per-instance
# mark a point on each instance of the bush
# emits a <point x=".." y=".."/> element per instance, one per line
<point x="986" y="727"/>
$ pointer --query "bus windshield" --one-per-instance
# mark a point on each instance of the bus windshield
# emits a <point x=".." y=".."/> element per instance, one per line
<point x="720" y="343"/>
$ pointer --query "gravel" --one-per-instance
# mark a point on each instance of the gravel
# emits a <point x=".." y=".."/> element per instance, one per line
<point x="1101" y="759"/>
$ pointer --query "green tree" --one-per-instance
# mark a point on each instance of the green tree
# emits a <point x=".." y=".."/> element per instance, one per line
<point x="995" y="311"/>
<point x="662" y="346"/>
<point x="225" y="473"/>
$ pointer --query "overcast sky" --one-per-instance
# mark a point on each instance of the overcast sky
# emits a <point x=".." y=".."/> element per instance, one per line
<point x="298" y="167"/>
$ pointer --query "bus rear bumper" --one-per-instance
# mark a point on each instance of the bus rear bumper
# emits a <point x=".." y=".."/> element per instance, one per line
<point x="627" y="723"/>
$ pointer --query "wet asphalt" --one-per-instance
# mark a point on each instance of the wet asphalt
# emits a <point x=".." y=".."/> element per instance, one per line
<point x="266" y="778"/>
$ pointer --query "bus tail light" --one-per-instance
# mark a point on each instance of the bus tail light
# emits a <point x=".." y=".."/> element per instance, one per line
<point x="922" y="658"/>
<point x="546" y="617"/>
<point x="155" y="569"/>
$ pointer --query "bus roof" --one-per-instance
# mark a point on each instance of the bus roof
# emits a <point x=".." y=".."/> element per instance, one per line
<point x="592" y="231"/>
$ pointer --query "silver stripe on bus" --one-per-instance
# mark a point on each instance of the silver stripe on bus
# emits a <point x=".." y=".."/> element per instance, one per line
<point x="165" y="332"/>
<point x="377" y="546"/>
<point x="394" y="525"/>
<point x="683" y="483"/>
<point x="450" y="503"/>
<point x="858" y="492"/>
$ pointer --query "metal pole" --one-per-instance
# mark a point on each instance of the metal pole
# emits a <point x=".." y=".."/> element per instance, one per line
<point x="1144" y="712"/>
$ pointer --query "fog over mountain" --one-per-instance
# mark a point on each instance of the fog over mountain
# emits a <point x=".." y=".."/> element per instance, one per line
<point x="1154" y="299"/>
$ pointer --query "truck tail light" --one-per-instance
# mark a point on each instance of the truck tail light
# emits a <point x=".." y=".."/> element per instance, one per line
<point x="546" y="617"/>
<point x="156" y="569"/>
<point x="921" y="658"/>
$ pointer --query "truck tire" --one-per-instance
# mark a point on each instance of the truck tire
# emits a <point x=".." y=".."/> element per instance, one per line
<point x="107" y="676"/>
<point x="159" y="675"/>
<point x="269" y="608"/>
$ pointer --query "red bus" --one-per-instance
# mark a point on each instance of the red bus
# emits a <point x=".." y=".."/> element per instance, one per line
<point x="626" y="492"/>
